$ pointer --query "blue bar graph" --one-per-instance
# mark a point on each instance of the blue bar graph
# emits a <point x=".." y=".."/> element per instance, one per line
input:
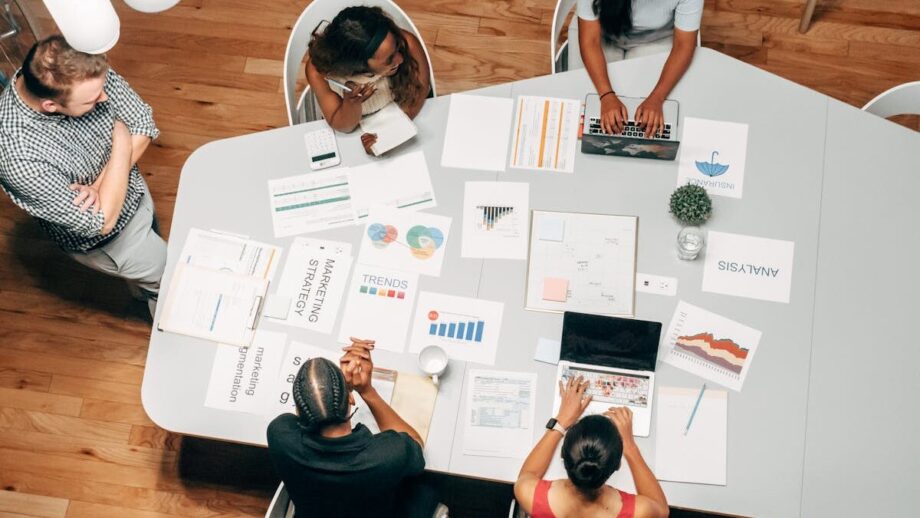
<point x="467" y="331"/>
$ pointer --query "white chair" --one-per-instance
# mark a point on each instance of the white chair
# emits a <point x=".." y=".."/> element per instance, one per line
<point x="303" y="108"/>
<point x="559" y="54"/>
<point x="901" y="100"/>
<point x="281" y="506"/>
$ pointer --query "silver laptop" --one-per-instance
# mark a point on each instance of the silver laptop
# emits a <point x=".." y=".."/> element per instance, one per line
<point x="617" y="356"/>
<point x="632" y="141"/>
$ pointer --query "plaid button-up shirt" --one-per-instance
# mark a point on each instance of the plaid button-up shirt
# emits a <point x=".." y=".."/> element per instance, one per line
<point x="41" y="155"/>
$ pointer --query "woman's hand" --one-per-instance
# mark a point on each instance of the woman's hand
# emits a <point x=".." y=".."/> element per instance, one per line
<point x="649" y="115"/>
<point x="358" y="93"/>
<point x="613" y="114"/>
<point x="622" y="419"/>
<point x="357" y="365"/>
<point x="368" y="140"/>
<point x="574" y="401"/>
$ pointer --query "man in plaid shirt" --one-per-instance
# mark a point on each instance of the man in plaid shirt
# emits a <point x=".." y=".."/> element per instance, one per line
<point x="71" y="132"/>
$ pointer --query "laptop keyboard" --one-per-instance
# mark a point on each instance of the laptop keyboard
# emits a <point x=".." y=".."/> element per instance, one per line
<point x="631" y="129"/>
<point x="612" y="388"/>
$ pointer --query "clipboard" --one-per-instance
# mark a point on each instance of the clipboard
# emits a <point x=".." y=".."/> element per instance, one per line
<point x="214" y="305"/>
<point x="554" y="255"/>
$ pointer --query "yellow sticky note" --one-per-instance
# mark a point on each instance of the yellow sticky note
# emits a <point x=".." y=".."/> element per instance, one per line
<point x="555" y="289"/>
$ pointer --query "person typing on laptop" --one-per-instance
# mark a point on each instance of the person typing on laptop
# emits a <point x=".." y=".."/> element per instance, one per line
<point x="592" y="449"/>
<point x="612" y="30"/>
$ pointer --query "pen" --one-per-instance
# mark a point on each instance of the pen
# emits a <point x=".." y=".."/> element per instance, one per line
<point x="333" y="82"/>
<point x="695" y="407"/>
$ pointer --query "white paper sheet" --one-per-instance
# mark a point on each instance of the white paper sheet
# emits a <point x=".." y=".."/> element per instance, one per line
<point x="243" y="378"/>
<point x="496" y="219"/>
<point x="468" y="329"/>
<point x="404" y="240"/>
<point x="400" y="181"/>
<point x="384" y="381"/>
<point x="314" y="278"/>
<point x="500" y="411"/>
<point x="710" y="345"/>
<point x="712" y="155"/>
<point x="297" y="354"/>
<point x="548" y="351"/>
<point x="379" y="306"/>
<point x="214" y="305"/>
<point x="392" y="127"/>
<point x="700" y="456"/>
<point x="477" y="132"/>
<point x="596" y="255"/>
<point x="545" y="134"/>
<point x="748" y="266"/>
<point x="230" y="253"/>
<point x="311" y="202"/>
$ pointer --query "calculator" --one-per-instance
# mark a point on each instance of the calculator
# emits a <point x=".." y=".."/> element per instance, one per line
<point x="322" y="148"/>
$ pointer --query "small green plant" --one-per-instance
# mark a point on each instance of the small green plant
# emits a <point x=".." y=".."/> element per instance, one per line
<point x="691" y="205"/>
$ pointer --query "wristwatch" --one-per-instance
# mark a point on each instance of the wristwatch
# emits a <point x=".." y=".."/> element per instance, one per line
<point x="552" y="424"/>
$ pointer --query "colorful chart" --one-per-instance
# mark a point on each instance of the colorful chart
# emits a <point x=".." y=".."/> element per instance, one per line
<point x="491" y="215"/>
<point x="422" y="241"/>
<point x="724" y="353"/>
<point x="710" y="345"/>
<point x="458" y="327"/>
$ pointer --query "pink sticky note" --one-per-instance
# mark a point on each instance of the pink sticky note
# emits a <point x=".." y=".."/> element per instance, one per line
<point x="555" y="289"/>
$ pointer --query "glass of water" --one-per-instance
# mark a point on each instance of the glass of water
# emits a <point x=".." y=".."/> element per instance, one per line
<point x="690" y="241"/>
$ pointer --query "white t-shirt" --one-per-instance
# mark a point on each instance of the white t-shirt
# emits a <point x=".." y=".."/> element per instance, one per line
<point x="652" y="19"/>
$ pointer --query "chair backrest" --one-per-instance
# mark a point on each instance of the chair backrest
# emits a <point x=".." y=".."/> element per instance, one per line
<point x="280" y="504"/>
<point x="900" y="100"/>
<point x="556" y="54"/>
<point x="301" y="108"/>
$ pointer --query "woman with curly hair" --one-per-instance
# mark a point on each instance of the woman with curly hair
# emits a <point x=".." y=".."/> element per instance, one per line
<point x="364" y="51"/>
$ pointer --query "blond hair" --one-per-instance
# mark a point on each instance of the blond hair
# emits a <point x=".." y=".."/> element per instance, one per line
<point x="52" y="67"/>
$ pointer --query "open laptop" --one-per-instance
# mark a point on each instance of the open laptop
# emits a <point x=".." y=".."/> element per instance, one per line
<point x="617" y="356"/>
<point x="631" y="142"/>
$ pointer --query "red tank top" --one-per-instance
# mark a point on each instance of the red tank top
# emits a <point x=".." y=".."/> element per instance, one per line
<point x="541" y="502"/>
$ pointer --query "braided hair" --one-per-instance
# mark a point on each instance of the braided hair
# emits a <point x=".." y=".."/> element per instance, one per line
<point x="591" y="452"/>
<point x="320" y="394"/>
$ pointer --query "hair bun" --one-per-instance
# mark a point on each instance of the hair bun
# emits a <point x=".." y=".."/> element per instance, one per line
<point x="588" y="470"/>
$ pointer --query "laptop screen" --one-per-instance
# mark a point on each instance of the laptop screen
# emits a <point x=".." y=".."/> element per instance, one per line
<point x="621" y="343"/>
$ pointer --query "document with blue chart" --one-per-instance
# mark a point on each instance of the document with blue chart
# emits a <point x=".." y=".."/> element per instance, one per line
<point x="468" y="329"/>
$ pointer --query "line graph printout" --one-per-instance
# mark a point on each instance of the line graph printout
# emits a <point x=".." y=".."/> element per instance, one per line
<point x="582" y="262"/>
<point x="495" y="220"/>
<point x="710" y="345"/>
<point x="311" y="202"/>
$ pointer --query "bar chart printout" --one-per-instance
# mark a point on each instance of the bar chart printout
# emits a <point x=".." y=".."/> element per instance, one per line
<point x="467" y="328"/>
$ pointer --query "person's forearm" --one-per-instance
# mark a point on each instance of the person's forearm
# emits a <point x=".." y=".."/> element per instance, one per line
<point x="139" y="145"/>
<point x="592" y="55"/>
<point x="678" y="61"/>
<point x="387" y="418"/>
<point x="542" y="454"/>
<point x="413" y="109"/>
<point x="114" y="184"/>
<point x="646" y="483"/>
<point x="346" y="118"/>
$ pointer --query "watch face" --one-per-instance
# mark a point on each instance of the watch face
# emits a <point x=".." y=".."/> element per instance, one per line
<point x="551" y="423"/>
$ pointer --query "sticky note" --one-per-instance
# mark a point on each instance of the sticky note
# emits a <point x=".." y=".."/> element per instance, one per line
<point x="555" y="289"/>
<point x="276" y="306"/>
<point x="551" y="229"/>
<point x="547" y="351"/>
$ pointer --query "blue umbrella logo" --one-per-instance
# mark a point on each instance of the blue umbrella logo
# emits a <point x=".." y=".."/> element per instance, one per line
<point x="711" y="168"/>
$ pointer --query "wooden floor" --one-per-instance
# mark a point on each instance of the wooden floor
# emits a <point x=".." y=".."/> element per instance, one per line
<point x="74" y="439"/>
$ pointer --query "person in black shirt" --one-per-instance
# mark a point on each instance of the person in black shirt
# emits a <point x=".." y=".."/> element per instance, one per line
<point x="333" y="470"/>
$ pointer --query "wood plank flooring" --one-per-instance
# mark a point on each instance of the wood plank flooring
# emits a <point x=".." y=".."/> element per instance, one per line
<point x="74" y="439"/>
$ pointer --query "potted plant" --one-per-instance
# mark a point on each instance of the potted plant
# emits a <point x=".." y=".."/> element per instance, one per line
<point x="691" y="205"/>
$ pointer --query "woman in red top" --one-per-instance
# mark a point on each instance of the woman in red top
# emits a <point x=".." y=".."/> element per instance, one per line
<point x="591" y="452"/>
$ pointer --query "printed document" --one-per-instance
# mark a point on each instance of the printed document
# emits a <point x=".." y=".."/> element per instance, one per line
<point x="400" y="181"/>
<point x="311" y="202"/>
<point x="545" y="134"/>
<point x="468" y="329"/>
<point x="496" y="219"/>
<point x="392" y="127"/>
<point x="699" y="456"/>
<point x="405" y="240"/>
<point x="477" y="132"/>
<point x="226" y="252"/>
<point x="243" y="378"/>
<point x="219" y="306"/>
<point x="500" y="413"/>
<point x="712" y="155"/>
<point x="748" y="266"/>
<point x="314" y="279"/>
<point x="379" y="306"/>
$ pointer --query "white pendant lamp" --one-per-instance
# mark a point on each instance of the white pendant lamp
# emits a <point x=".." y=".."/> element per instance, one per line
<point x="151" y="6"/>
<point x="90" y="26"/>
